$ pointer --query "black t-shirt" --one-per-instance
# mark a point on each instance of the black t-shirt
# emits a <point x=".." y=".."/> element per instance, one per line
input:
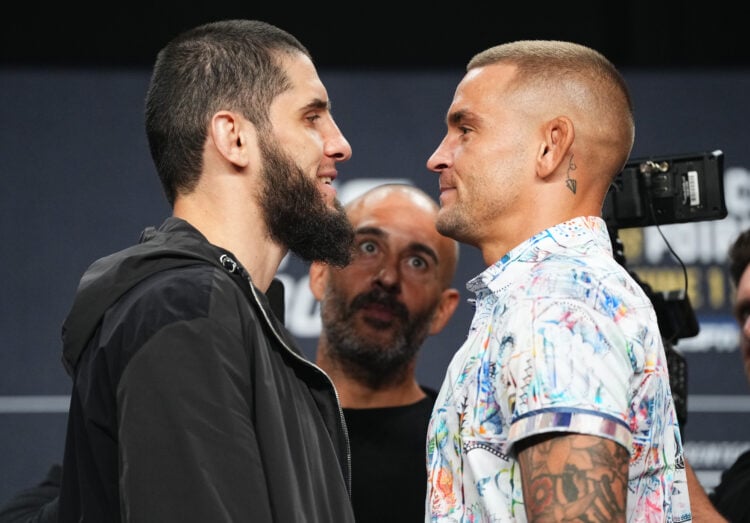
<point x="389" y="471"/>
<point x="731" y="497"/>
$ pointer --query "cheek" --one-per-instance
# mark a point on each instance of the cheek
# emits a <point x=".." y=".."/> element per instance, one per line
<point x="482" y="169"/>
<point x="304" y="148"/>
<point x="306" y="155"/>
<point x="419" y="296"/>
<point x="351" y="280"/>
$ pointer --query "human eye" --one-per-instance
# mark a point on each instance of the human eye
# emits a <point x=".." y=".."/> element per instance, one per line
<point x="315" y="110"/>
<point x="367" y="248"/>
<point x="465" y="132"/>
<point x="418" y="263"/>
<point x="419" y="268"/>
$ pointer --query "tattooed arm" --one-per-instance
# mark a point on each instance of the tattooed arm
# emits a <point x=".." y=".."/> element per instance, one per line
<point x="573" y="477"/>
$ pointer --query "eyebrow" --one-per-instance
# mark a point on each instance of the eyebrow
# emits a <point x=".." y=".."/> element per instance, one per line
<point x="413" y="246"/>
<point x="456" y="117"/>
<point x="318" y="104"/>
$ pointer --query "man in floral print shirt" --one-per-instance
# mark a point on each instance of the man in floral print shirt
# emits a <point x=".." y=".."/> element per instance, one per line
<point x="558" y="405"/>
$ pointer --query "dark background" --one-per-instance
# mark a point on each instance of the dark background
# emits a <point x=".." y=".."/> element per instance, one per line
<point x="639" y="33"/>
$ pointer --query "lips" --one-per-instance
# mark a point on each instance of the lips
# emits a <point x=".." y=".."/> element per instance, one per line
<point x="447" y="191"/>
<point x="379" y="312"/>
<point x="380" y="309"/>
<point x="327" y="189"/>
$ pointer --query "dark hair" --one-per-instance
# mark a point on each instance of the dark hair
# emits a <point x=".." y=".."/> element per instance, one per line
<point x="739" y="256"/>
<point x="226" y="65"/>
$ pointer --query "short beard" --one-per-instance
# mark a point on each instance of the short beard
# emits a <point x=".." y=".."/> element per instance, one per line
<point x="297" y="215"/>
<point x="453" y="226"/>
<point x="377" y="364"/>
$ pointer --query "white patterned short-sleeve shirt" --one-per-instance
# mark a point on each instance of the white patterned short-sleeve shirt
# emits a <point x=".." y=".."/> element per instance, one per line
<point x="563" y="339"/>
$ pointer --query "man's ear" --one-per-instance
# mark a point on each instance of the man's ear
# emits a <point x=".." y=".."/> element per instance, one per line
<point x="231" y="134"/>
<point x="559" y="134"/>
<point x="318" y="279"/>
<point x="445" y="309"/>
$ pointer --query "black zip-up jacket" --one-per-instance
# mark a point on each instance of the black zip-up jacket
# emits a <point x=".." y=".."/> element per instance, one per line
<point x="191" y="402"/>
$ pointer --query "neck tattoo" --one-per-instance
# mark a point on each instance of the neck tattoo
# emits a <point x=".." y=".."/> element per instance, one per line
<point x="570" y="182"/>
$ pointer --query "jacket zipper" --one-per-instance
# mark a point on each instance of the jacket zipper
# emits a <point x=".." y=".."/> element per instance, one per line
<point x="233" y="267"/>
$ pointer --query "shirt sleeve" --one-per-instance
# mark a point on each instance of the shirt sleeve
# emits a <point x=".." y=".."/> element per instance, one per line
<point x="570" y="371"/>
<point x="188" y="449"/>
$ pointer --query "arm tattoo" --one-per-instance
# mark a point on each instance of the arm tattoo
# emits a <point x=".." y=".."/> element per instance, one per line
<point x="574" y="477"/>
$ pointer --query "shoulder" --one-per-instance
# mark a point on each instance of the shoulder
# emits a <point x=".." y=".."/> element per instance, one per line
<point x="174" y="296"/>
<point x="597" y="281"/>
<point x="430" y="392"/>
<point x="188" y="286"/>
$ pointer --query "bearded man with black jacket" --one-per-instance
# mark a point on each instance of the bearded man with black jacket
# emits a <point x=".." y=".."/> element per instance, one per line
<point x="190" y="400"/>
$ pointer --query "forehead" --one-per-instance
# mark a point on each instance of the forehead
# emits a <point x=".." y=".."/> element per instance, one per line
<point x="482" y="87"/>
<point x="306" y="86"/>
<point x="400" y="215"/>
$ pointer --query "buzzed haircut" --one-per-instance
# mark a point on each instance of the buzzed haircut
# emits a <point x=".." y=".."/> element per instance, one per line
<point x="225" y="65"/>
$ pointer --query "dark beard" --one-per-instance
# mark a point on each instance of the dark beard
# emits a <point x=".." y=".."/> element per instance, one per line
<point x="297" y="215"/>
<point x="371" y="362"/>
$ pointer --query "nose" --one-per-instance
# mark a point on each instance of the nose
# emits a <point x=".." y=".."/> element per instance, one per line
<point x="387" y="277"/>
<point x="337" y="146"/>
<point x="440" y="159"/>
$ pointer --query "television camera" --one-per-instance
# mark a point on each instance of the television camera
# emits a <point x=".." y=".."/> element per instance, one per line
<point x="664" y="190"/>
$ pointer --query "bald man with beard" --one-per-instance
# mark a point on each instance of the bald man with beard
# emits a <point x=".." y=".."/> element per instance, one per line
<point x="376" y="313"/>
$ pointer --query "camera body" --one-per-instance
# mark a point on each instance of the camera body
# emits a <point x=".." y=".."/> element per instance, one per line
<point x="667" y="189"/>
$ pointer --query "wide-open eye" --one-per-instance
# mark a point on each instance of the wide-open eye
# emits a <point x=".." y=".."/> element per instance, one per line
<point x="367" y="248"/>
<point x="417" y="263"/>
